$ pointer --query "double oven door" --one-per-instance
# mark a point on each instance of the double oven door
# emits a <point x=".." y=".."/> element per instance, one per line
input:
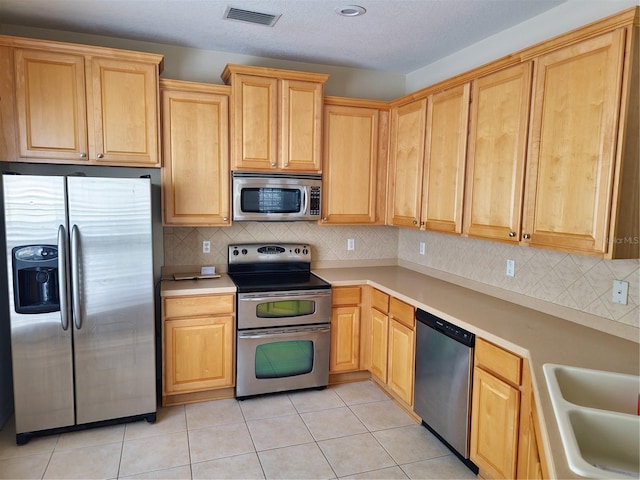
<point x="283" y="341"/>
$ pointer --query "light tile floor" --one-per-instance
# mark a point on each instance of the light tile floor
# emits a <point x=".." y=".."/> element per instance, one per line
<point x="346" y="431"/>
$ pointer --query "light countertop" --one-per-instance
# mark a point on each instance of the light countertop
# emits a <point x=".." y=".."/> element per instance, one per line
<point x="207" y="286"/>
<point x="534" y="335"/>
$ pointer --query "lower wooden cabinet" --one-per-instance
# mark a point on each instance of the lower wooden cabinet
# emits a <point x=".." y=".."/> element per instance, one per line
<point x="198" y="346"/>
<point x="505" y="429"/>
<point x="392" y="344"/>
<point x="345" y="330"/>
<point x="494" y="425"/>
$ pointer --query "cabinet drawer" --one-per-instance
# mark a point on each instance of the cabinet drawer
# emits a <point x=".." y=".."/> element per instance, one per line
<point x="191" y="306"/>
<point x="498" y="361"/>
<point x="402" y="312"/>
<point x="346" y="296"/>
<point x="380" y="300"/>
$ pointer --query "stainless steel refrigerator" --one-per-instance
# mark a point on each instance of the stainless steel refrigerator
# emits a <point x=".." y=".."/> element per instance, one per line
<point x="81" y="301"/>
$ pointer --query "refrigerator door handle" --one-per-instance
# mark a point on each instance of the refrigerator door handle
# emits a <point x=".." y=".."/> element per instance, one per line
<point x="63" y="288"/>
<point x="75" y="277"/>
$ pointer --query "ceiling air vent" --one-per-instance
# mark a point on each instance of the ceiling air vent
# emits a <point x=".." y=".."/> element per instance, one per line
<point x="248" y="16"/>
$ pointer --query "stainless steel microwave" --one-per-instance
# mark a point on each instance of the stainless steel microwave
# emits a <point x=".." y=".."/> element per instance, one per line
<point x="276" y="197"/>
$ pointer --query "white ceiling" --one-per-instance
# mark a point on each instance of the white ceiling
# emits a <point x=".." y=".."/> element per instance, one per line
<point x="396" y="36"/>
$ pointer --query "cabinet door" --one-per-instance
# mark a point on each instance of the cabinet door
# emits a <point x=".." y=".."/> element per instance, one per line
<point x="494" y="425"/>
<point x="51" y="105"/>
<point x="573" y="142"/>
<point x="379" y="344"/>
<point x="198" y="354"/>
<point x="123" y="113"/>
<point x="255" y="123"/>
<point x="407" y="162"/>
<point x="497" y="151"/>
<point x="345" y="339"/>
<point x="350" y="165"/>
<point x="445" y="158"/>
<point x="401" y="360"/>
<point x="195" y="183"/>
<point x="300" y="125"/>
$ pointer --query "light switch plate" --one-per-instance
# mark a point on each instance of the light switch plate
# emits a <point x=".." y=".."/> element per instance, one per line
<point x="511" y="268"/>
<point x="620" y="292"/>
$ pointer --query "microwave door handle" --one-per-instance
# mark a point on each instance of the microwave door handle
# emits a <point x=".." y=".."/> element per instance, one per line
<point x="305" y="200"/>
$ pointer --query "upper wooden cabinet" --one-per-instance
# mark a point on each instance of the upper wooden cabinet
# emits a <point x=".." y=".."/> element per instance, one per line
<point x="428" y="156"/>
<point x="355" y="160"/>
<point x="581" y="190"/>
<point x="276" y="118"/>
<point x="406" y="163"/>
<point x="86" y="105"/>
<point x="195" y="177"/>
<point x="445" y="159"/>
<point x="497" y="152"/>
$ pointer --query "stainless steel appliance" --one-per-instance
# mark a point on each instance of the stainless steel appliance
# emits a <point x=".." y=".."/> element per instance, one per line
<point x="80" y="290"/>
<point x="442" y="397"/>
<point x="284" y="319"/>
<point x="271" y="197"/>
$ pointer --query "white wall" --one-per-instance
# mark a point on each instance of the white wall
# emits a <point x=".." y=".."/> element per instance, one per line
<point x="181" y="63"/>
<point x="565" y="17"/>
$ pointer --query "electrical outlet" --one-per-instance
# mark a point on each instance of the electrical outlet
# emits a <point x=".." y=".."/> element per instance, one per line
<point x="511" y="268"/>
<point x="421" y="248"/>
<point x="351" y="243"/>
<point x="206" y="246"/>
<point x="620" y="292"/>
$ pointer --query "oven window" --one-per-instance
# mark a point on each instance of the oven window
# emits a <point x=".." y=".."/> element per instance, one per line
<point x="284" y="359"/>
<point x="285" y="308"/>
<point x="270" y="200"/>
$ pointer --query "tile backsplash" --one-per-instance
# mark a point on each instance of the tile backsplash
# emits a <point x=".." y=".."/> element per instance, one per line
<point x="574" y="281"/>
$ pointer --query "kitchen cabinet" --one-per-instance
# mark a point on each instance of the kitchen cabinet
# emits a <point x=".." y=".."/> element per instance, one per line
<point x="582" y="180"/>
<point x="379" y="334"/>
<point x="393" y="344"/>
<point x="497" y="151"/>
<point x="86" y="106"/>
<point x="8" y="147"/>
<point x="445" y="160"/>
<point x="428" y="156"/>
<point x="495" y="409"/>
<point x="354" y="162"/>
<point x="406" y="163"/>
<point x="198" y="346"/>
<point x="276" y="120"/>
<point x="345" y="330"/>
<point x="532" y="462"/>
<point x="195" y="175"/>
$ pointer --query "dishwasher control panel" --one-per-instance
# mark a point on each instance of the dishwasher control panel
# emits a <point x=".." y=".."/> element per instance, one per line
<point x="449" y="329"/>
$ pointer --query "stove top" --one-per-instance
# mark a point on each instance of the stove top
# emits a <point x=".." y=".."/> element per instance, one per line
<point x="258" y="267"/>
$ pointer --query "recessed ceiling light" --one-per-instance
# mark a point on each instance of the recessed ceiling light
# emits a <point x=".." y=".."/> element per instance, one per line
<point x="351" y="11"/>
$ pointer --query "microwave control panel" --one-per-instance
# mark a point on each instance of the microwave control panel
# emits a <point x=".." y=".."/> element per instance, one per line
<point x="314" y="201"/>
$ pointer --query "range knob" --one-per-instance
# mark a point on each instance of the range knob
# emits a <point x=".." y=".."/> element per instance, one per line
<point x="297" y="250"/>
<point x="235" y="253"/>
<point x="305" y="251"/>
<point x="244" y="251"/>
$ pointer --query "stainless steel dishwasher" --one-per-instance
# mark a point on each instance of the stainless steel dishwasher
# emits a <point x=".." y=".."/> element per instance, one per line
<point x="444" y="364"/>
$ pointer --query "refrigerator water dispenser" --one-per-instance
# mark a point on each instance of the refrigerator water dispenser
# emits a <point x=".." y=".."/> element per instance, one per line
<point x="35" y="279"/>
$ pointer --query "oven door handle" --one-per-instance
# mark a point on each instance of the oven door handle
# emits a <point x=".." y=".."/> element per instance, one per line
<point x="280" y="333"/>
<point x="279" y="297"/>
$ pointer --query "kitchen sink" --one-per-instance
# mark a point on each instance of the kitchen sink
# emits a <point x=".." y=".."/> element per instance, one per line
<point x="597" y="414"/>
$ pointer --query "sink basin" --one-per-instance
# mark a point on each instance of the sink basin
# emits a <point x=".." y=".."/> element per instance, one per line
<point x="597" y="415"/>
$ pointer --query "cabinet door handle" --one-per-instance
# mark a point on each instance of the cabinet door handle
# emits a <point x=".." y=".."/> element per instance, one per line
<point x="286" y="164"/>
<point x="526" y="236"/>
<point x="83" y="155"/>
<point x="273" y="164"/>
<point x="415" y="222"/>
<point x="225" y="219"/>
<point x="100" y="155"/>
<point x="512" y="234"/>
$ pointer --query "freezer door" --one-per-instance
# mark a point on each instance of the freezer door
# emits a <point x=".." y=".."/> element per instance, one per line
<point x="35" y="214"/>
<point x="113" y="318"/>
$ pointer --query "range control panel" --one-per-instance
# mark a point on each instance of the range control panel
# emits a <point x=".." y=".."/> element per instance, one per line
<point x="269" y="253"/>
